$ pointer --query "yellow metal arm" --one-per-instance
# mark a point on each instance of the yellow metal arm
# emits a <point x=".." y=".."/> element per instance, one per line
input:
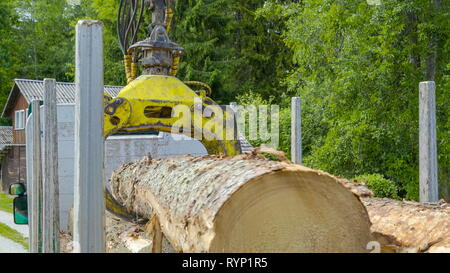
<point x="147" y="103"/>
<point x="157" y="101"/>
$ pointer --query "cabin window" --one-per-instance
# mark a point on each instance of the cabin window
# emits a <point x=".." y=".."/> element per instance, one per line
<point x="19" y="121"/>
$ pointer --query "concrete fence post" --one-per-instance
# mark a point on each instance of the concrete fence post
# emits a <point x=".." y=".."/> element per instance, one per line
<point x="427" y="143"/>
<point x="89" y="203"/>
<point x="296" y="131"/>
<point x="35" y="188"/>
<point x="50" y="171"/>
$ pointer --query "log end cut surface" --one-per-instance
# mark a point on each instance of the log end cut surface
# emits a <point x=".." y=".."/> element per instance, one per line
<point x="292" y="211"/>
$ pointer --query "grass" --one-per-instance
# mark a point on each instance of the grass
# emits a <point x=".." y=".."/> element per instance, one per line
<point x="6" y="202"/>
<point x="13" y="235"/>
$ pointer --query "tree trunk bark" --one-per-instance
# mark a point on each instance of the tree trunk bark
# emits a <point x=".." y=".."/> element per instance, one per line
<point x="243" y="204"/>
<point x="411" y="32"/>
<point x="433" y="47"/>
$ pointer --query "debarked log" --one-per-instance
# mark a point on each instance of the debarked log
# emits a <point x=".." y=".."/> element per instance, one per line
<point x="244" y="203"/>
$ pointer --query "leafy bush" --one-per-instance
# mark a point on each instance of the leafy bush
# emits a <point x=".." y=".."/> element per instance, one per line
<point x="5" y="121"/>
<point x="380" y="186"/>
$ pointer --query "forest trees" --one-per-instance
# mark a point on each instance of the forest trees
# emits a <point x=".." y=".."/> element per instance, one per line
<point x="36" y="41"/>
<point x="357" y="68"/>
<point x="8" y="63"/>
<point x="231" y="48"/>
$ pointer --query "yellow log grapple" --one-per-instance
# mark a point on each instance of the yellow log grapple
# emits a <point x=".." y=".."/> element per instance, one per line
<point x="152" y="101"/>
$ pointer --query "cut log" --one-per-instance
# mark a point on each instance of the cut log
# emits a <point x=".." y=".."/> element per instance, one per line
<point x="405" y="226"/>
<point x="411" y="226"/>
<point x="243" y="204"/>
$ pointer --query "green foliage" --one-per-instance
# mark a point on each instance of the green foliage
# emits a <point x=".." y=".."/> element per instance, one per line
<point x="6" y="202"/>
<point x="380" y="186"/>
<point x="106" y="11"/>
<point x="5" y="122"/>
<point x="357" y="68"/>
<point x="252" y="98"/>
<point x="44" y="35"/>
<point x="38" y="40"/>
<point x="270" y="156"/>
<point x="227" y="43"/>
<point x="8" y="47"/>
<point x="229" y="47"/>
